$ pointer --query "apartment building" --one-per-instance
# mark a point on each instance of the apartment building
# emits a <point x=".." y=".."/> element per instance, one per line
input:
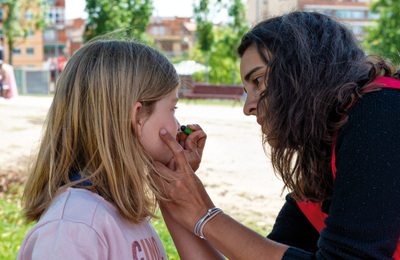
<point x="258" y="10"/>
<point x="354" y="13"/>
<point x="173" y="35"/>
<point x="40" y="48"/>
<point x="75" y="31"/>
<point x="55" y="36"/>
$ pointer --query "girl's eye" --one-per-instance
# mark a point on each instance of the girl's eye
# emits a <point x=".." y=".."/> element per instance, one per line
<point x="175" y="108"/>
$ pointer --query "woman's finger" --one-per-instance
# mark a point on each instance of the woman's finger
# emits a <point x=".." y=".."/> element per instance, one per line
<point x="176" y="149"/>
<point x="181" y="138"/>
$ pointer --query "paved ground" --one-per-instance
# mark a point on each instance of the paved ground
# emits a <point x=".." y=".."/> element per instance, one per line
<point x="235" y="170"/>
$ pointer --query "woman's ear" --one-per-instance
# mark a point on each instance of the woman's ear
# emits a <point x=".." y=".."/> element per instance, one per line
<point x="137" y="118"/>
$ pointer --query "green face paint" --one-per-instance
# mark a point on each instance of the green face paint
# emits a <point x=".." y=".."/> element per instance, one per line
<point x="186" y="129"/>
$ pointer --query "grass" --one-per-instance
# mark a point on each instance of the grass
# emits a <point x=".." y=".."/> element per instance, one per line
<point x="12" y="224"/>
<point x="13" y="228"/>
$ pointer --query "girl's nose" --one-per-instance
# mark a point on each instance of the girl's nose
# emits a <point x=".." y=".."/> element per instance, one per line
<point x="178" y="125"/>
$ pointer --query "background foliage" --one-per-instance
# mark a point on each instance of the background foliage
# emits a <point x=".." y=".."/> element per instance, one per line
<point x="383" y="38"/>
<point x="223" y="61"/>
<point x="105" y="16"/>
<point x="20" y="17"/>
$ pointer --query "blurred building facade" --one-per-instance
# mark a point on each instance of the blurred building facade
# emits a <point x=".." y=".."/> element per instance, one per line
<point x="174" y="35"/>
<point x="354" y="13"/>
<point x="40" y="48"/>
<point x="258" y="10"/>
<point x="75" y="31"/>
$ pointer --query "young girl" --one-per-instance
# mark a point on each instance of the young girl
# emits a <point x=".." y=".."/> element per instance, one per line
<point x="89" y="188"/>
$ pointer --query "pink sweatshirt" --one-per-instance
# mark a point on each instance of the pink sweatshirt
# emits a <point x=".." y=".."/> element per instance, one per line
<point x="80" y="224"/>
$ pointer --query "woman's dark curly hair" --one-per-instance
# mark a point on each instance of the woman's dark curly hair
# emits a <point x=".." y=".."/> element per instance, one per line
<point x="315" y="69"/>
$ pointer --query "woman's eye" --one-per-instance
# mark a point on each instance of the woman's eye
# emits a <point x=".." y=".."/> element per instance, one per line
<point x="175" y="108"/>
<point x="258" y="80"/>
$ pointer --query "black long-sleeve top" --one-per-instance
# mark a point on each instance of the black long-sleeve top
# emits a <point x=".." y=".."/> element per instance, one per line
<point x="364" y="213"/>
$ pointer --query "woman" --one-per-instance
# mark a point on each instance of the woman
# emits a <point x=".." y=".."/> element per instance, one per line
<point x="331" y="116"/>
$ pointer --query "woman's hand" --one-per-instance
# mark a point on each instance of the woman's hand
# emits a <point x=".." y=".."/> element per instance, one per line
<point x="188" y="203"/>
<point x="193" y="145"/>
<point x="189" y="199"/>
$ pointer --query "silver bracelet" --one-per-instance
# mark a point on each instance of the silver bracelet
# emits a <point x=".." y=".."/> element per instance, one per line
<point x="211" y="213"/>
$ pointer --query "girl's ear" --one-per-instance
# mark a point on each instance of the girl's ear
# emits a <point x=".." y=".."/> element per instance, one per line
<point x="137" y="118"/>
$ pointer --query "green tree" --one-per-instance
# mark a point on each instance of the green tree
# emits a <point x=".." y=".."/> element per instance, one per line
<point x="21" y="17"/>
<point x="104" y="16"/>
<point x="383" y="37"/>
<point x="223" y="60"/>
<point x="240" y="26"/>
<point x="205" y="30"/>
<point x="223" y="69"/>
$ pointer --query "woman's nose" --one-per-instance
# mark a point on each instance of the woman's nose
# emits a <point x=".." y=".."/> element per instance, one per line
<point x="250" y="106"/>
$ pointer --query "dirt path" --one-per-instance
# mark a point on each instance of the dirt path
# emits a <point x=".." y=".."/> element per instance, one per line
<point x="235" y="170"/>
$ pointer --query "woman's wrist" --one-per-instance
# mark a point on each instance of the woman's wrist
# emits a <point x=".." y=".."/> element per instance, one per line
<point x="199" y="227"/>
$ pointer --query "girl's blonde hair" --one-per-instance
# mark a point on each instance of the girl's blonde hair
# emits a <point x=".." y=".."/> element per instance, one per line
<point x="89" y="130"/>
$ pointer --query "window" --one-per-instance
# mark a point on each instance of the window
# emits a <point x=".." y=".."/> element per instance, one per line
<point x="373" y="16"/>
<point x="49" y="51"/>
<point x="56" y="15"/>
<point x="29" y="15"/>
<point x="155" y="30"/>
<point x="350" y="14"/>
<point x="162" y="30"/>
<point x="357" y="30"/>
<point x="17" y="51"/>
<point x="158" y="30"/>
<point x="30" y="51"/>
<point x="30" y="33"/>
<point x="326" y="12"/>
<point x="49" y="35"/>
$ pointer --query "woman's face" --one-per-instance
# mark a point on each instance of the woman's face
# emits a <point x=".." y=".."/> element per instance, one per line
<point x="252" y="72"/>
<point x="162" y="117"/>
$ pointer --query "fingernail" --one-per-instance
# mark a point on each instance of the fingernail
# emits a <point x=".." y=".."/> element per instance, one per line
<point x="163" y="131"/>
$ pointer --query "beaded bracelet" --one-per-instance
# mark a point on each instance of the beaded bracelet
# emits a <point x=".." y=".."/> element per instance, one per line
<point x="211" y="213"/>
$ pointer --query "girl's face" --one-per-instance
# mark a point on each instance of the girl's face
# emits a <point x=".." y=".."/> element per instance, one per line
<point x="252" y="72"/>
<point x="162" y="117"/>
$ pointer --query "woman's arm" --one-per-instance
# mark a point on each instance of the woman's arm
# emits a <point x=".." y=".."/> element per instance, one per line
<point x="189" y="245"/>
<point x="236" y="241"/>
<point x="293" y="228"/>
<point x="190" y="202"/>
<point x="364" y="216"/>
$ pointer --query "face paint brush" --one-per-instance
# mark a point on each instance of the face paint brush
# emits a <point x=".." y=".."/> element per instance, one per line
<point x="186" y="130"/>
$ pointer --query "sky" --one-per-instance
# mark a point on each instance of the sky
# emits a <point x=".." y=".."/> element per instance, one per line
<point x="181" y="8"/>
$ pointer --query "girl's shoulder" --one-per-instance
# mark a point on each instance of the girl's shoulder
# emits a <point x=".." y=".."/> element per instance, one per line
<point x="79" y="205"/>
<point x="82" y="206"/>
<point x="78" y="221"/>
